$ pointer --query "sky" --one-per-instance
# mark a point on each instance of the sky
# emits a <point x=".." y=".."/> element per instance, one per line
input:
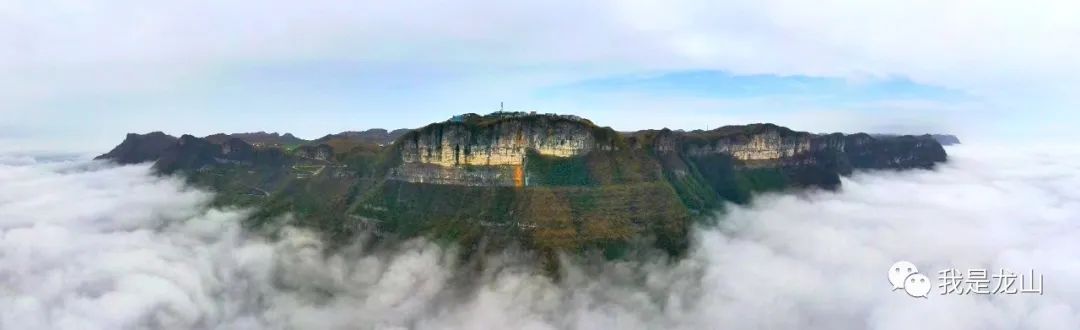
<point x="77" y="75"/>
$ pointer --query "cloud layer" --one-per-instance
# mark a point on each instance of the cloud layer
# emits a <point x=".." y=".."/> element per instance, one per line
<point x="86" y="245"/>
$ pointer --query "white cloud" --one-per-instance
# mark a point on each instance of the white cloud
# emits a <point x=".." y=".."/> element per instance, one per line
<point x="91" y="246"/>
<point x="954" y="41"/>
<point x="126" y="65"/>
<point x="972" y="45"/>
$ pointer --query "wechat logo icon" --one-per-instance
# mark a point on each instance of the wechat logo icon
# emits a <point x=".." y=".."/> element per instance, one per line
<point x="904" y="275"/>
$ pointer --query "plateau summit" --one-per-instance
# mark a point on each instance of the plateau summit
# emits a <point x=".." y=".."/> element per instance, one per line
<point x="551" y="183"/>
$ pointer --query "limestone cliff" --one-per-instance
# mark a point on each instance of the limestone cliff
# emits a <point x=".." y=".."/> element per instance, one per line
<point x="488" y="150"/>
<point x="756" y="145"/>
<point x="765" y="145"/>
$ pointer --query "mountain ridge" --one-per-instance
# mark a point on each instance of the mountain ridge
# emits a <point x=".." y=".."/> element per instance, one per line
<point x="549" y="182"/>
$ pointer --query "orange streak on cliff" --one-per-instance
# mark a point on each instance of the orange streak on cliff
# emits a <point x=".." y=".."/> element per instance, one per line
<point x="519" y="176"/>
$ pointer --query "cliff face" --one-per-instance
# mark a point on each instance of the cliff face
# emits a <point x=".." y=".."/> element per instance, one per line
<point x="546" y="181"/>
<point x="566" y="171"/>
<point x="492" y="152"/>
<point x="734" y="162"/>
<point x="763" y="145"/>
<point x="502" y="142"/>
<point x="751" y="143"/>
<point x="322" y="152"/>
<point x="756" y="145"/>
<point x="496" y="152"/>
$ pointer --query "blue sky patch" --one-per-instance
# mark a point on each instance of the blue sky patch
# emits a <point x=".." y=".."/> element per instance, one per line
<point x="719" y="84"/>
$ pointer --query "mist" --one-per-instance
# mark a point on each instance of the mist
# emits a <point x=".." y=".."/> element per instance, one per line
<point x="89" y="245"/>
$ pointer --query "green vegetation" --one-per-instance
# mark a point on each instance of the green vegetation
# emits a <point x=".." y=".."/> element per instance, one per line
<point x="761" y="179"/>
<point x="556" y="171"/>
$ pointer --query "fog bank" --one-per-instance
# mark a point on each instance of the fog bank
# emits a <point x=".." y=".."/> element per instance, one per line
<point x="87" y="245"/>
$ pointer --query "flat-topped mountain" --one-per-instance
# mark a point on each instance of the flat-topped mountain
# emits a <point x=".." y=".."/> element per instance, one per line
<point x="544" y="181"/>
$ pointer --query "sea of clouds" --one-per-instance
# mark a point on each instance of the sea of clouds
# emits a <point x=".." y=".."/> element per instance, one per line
<point x="88" y="245"/>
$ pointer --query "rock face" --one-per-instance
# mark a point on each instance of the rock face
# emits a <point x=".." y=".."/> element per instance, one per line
<point x="171" y="154"/>
<point x="321" y="152"/>
<point x="737" y="161"/>
<point x="501" y="142"/>
<point x="550" y="182"/>
<point x="138" y="148"/>
<point x="491" y="151"/>
<point x="767" y="145"/>
<point x="754" y="144"/>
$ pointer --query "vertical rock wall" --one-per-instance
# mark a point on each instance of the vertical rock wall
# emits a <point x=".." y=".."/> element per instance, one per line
<point x="487" y="154"/>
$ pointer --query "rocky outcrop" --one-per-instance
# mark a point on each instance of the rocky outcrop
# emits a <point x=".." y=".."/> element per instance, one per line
<point x="491" y="150"/>
<point x="737" y="161"/>
<point x="320" y="152"/>
<point x="189" y="153"/>
<point x="754" y="145"/>
<point x="235" y="148"/>
<point x="763" y="145"/>
<point x="139" y="148"/>
<point x="500" y="142"/>
<point x="488" y="150"/>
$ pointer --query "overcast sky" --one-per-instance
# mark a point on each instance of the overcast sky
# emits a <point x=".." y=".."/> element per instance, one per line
<point x="77" y="75"/>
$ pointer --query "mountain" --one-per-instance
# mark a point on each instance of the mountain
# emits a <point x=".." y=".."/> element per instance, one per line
<point x="373" y="136"/>
<point x="946" y="139"/>
<point x="543" y="181"/>
<point x="138" y="148"/>
<point x="258" y="138"/>
<point x="340" y="141"/>
<point x="943" y="139"/>
<point x="345" y="141"/>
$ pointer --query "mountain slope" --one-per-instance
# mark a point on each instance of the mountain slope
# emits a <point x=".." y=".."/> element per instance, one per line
<point x="549" y="182"/>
